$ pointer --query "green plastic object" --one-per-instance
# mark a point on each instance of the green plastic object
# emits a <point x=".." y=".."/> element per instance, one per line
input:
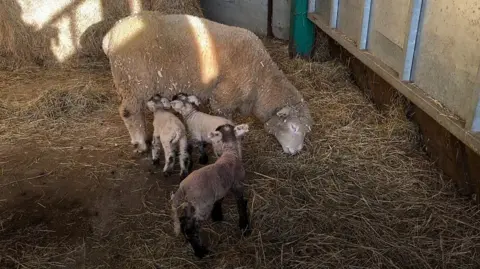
<point x="302" y="30"/>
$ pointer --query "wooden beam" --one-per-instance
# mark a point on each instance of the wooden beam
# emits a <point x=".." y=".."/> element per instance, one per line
<point x="409" y="90"/>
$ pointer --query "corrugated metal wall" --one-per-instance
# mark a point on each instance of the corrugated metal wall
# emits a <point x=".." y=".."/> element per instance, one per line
<point x="250" y="14"/>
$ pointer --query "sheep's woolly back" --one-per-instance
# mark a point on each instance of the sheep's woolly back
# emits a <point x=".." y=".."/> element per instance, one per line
<point x="166" y="54"/>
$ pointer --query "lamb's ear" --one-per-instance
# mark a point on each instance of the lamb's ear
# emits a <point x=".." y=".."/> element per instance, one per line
<point x="215" y="136"/>
<point x="241" y="130"/>
<point x="165" y="103"/>
<point x="179" y="96"/>
<point x="176" y="104"/>
<point x="193" y="99"/>
<point x="151" y="105"/>
<point x="282" y="113"/>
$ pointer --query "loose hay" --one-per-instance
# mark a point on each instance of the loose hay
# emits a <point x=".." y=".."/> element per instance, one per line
<point x="361" y="195"/>
<point x="70" y="33"/>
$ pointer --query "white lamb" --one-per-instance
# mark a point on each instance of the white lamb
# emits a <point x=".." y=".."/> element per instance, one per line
<point x="200" y="124"/>
<point x="170" y="133"/>
<point x="201" y="193"/>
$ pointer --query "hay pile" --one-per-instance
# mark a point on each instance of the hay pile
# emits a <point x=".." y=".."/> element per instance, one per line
<point x="361" y="195"/>
<point x="33" y="100"/>
<point x="72" y="33"/>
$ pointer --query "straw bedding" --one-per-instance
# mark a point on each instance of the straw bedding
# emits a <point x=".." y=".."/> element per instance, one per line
<point x="361" y="195"/>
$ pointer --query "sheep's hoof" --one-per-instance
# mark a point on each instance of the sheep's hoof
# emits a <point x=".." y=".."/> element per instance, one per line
<point x="203" y="159"/>
<point x="166" y="174"/>
<point x="201" y="252"/>
<point x="156" y="162"/>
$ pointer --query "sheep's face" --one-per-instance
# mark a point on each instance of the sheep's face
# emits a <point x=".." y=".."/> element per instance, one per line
<point x="182" y="107"/>
<point x="157" y="102"/>
<point x="289" y="128"/>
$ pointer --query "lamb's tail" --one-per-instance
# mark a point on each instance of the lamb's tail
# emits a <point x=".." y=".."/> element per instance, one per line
<point x="176" y="200"/>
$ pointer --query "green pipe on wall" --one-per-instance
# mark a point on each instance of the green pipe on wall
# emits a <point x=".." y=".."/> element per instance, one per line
<point x="302" y="30"/>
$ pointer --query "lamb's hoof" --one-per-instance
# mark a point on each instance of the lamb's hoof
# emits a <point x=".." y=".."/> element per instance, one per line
<point x="166" y="174"/>
<point x="201" y="252"/>
<point x="156" y="162"/>
<point x="203" y="159"/>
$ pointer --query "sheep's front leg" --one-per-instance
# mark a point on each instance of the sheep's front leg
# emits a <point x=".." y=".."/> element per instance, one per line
<point x="169" y="158"/>
<point x="156" y="144"/>
<point x="134" y="119"/>
<point x="217" y="214"/>
<point x="191" y="230"/>
<point x="242" y="207"/>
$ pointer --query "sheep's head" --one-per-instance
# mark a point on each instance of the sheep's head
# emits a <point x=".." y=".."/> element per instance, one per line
<point x="290" y="126"/>
<point x="226" y="135"/>
<point x="158" y="102"/>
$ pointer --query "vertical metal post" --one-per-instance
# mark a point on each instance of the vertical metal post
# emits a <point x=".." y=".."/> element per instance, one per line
<point x="411" y="40"/>
<point x="334" y="14"/>
<point x="311" y="6"/>
<point x="366" y="17"/>
<point x="473" y="122"/>
<point x="476" y="118"/>
<point x="302" y="30"/>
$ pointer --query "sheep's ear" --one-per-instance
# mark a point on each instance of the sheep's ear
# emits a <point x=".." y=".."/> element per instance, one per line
<point x="294" y="127"/>
<point x="215" y="136"/>
<point x="284" y="112"/>
<point x="193" y="99"/>
<point x="241" y="130"/>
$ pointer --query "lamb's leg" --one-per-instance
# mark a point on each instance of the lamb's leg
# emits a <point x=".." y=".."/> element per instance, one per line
<point x="156" y="144"/>
<point x="203" y="153"/>
<point x="185" y="159"/>
<point x="169" y="158"/>
<point x="217" y="214"/>
<point x="134" y="119"/>
<point x="242" y="207"/>
<point x="191" y="231"/>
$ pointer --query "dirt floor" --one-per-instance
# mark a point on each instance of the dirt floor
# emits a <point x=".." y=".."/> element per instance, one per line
<point x="361" y="195"/>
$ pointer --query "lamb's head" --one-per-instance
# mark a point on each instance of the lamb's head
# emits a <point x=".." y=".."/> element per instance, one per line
<point x="158" y="102"/>
<point x="290" y="126"/>
<point x="180" y="96"/>
<point x="182" y="107"/>
<point x="225" y="137"/>
<point x="192" y="99"/>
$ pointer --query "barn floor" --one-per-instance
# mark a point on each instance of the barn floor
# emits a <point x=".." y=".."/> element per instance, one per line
<point x="362" y="194"/>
